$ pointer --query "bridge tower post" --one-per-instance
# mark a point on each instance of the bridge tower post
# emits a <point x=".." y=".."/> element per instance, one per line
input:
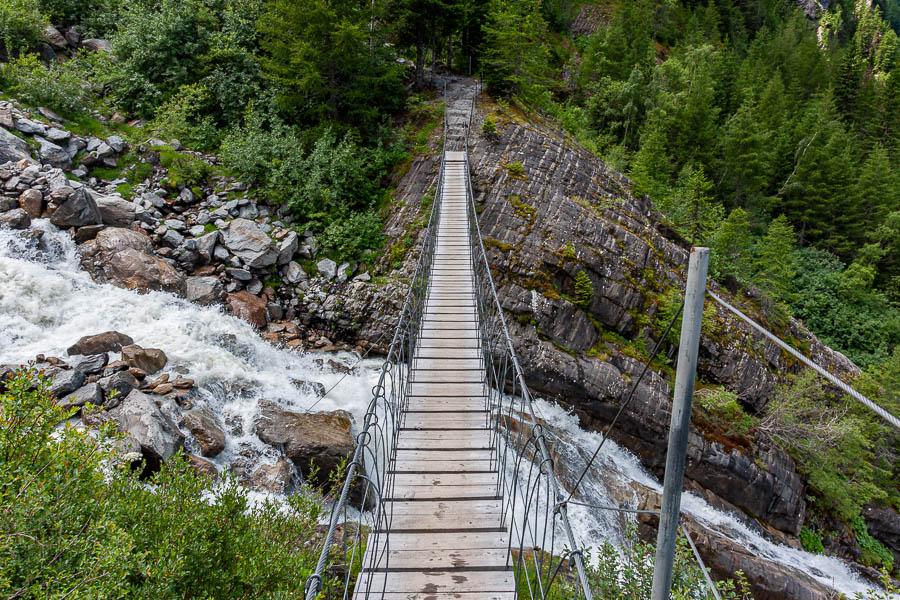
<point x="688" y="349"/>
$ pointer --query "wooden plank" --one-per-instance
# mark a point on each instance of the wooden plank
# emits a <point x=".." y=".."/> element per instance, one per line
<point x="481" y="521"/>
<point x="448" y="541"/>
<point x="482" y="558"/>
<point x="434" y="376"/>
<point x="438" y="581"/>
<point x="426" y="353"/>
<point x="445" y="466"/>
<point x="484" y="435"/>
<point x="429" y="507"/>
<point x="443" y="420"/>
<point x="441" y="596"/>
<point x="449" y="362"/>
<point x="446" y="389"/>
<point x="444" y="491"/>
<point x="406" y="443"/>
<point x="441" y="405"/>
<point x="440" y="480"/>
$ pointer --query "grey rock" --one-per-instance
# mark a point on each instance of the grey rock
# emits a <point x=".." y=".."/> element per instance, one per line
<point x="197" y="231"/>
<point x="12" y="148"/>
<point x="205" y="428"/>
<point x="272" y="479"/>
<point x="287" y="248"/>
<point x="220" y="252"/>
<point x="203" y="290"/>
<point x="363" y="277"/>
<point x="122" y="257"/>
<point x="254" y="286"/>
<point x="32" y="202"/>
<point x="117" y="386"/>
<point x="157" y="435"/>
<point x="52" y="154"/>
<point x="294" y="273"/>
<point x="57" y="135"/>
<point x="92" y="363"/>
<point x="66" y="382"/>
<point x="206" y="245"/>
<point x="115" y="211"/>
<point x="29" y="127"/>
<point x="327" y="268"/>
<point x="248" y="212"/>
<point x="55" y="38"/>
<point x="176" y="224"/>
<point x="172" y="238"/>
<point x="15" y="219"/>
<point x="342" y="272"/>
<point x="321" y="439"/>
<point x="245" y="239"/>
<point x="110" y="341"/>
<point x="884" y="525"/>
<point x="91" y="393"/>
<point x="80" y="209"/>
<point x="116" y="143"/>
<point x="97" y="45"/>
<point x="239" y="274"/>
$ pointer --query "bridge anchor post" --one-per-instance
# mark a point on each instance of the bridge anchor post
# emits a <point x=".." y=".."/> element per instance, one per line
<point x="688" y="348"/>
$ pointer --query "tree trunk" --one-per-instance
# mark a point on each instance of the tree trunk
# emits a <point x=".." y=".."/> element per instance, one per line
<point x="420" y="64"/>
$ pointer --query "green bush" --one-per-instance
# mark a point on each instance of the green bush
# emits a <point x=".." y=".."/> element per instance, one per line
<point x="349" y="238"/>
<point x="21" y="25"/>
<point x="811" y="540"/>
<point x="515" y="168"/>
<point x="184" y="117"/>
<point x="58" y="87"/>
<point x="183" y="168"/>
<point x="723" y="408"/>
<point x="78" y="523"/>
<point x="69" y="11"/>
<point x="873" y="552"/>
<point x="489" y="128"/>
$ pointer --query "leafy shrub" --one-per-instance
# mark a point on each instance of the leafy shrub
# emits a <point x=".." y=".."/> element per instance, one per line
<point x="873" y="551"/>
<point x="584" y="290"/>
<point x="21" y="25"/>
<point x="489" y="128"/>
<point x="348" y="238"/>
<point x="185" y="169"/>
<point x="628" y="572"/>
<point x="69" y="11"/>
<point x="724" y="410"/>
<point x="811" y="540"/>
<point x="59" y="87"/>
<point x="183" y="117"/>
<point x="515" y="168"/>
<point x="334" y="177"/>
<point x="830" y="443"/>
<point x="78" y="523"/>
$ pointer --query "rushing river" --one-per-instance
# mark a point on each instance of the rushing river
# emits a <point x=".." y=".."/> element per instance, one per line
<point x="47" y="302"/>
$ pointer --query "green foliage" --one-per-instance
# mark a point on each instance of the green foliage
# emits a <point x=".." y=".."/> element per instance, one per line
<point x="350" y="237"/>
<point x="489" y="128"/>
<point x="58" y="87"/>
<point x="184" y="117"/>
<point x="515" y="55"/>
<point x="832" y="444"/>
<point x="723" y="409"/>
<point x="21" y="25"/>
<point x="628" y="572"/>
<point x="78" y="522"/>
<point x="732" y="247"/>
<point x="811" y="540"/>
<point x="515" y="168"/>
<point x="873" y="552"/>
<point x="185" y="169"/>
<point x="775" y="268"/>
<point x="318" y="55"/>
<point x="584" y="290"/>
<point x="334" y="176"/>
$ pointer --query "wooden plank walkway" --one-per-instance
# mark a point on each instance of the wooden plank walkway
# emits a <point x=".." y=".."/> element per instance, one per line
<point x="446" y="538"/>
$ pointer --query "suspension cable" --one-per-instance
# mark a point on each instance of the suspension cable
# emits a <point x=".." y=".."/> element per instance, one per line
<point x="878" y="410"/>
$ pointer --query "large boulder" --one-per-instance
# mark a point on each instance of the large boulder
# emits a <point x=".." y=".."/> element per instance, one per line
<point x="122" y="257"/>
<point x="273" y="479"/>
<point x="110" y="341"/>
<point x="321" y="439"/>
<point x="205" y="428"/>
<point x="248" y="307"/>
<point x="66" y="382"/>
<point x="115" y="211"/>
<point x="91" y="393"/>
<point x="884" y="525"/>
<point x="52" y="154"/>
<point x="15" y="219"/>
<point x="149" y="360"/>
<point x="80" y="209"/>
<point x="203" y="290"/>
<point x="249" y="243"/>
<point x="157" y="435"/>
<point x="118" y="386"/>
<point x="12" y="148"/>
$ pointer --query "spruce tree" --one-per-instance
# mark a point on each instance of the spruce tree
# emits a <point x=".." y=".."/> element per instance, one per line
<point x="732" y="247"/>
<point x="775" y="259"/>
<point x="515" y="56"/>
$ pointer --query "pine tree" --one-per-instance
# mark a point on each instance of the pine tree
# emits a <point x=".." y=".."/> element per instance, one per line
<point x="876" y="193"/>
<point x="775" y="259"/>
<point x="747" y="155"/>
<point x="651" y="169"/>
<point x="732" y="247"/>
<point x="692" y="209"/>
<point x="515" y="56"/>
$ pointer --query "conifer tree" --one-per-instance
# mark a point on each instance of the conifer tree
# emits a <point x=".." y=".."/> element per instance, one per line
<point x="747" y="155"/>
<point x="732" y="247"/>
<point x="515" y="56"/>
<point x="775" y="258"/>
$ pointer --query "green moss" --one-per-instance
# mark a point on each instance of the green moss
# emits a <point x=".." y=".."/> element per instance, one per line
<point x="490" y="242"/>
<point x="516" y="170"/>
<point x="568" y="251"/>
<point x="126" y="190"/>
<point x="526" y="211"/>
<point x="209" y="228"/>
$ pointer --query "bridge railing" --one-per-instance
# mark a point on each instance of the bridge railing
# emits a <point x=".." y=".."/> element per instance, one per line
<point x="358" y="537"/>
<point x="544" y="551"/>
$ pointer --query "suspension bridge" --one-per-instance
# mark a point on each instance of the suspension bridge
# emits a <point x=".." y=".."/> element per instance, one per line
<point x="451" y="493"/>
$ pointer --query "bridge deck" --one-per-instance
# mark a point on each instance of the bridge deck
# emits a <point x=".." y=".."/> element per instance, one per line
<point x="447" y="538"/>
